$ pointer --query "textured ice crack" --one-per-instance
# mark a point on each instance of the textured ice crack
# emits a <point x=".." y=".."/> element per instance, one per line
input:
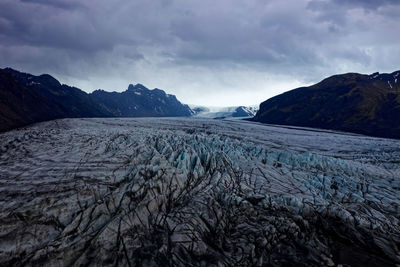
<point x="135" y="192"/>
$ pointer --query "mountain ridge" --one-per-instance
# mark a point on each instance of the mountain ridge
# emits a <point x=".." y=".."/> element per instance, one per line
<point x="139" y="101"/>
<point x="27" y="98"/>
<point x="351" y="102"/>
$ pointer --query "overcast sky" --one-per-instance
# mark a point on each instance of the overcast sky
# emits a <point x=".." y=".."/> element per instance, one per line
<point x="208" y="52"/>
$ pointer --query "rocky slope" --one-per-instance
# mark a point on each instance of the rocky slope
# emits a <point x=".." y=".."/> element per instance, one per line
<point x="366" y="104"/>
<point x="179" y="192"/>
<point x="138" y="101"/>
<point x="16" y="102"/>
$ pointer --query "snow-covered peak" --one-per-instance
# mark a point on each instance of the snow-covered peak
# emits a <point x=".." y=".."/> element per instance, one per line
<point x="224" y="112"/>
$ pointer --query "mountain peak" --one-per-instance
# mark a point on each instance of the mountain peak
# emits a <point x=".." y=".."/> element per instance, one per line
<point x="137" y="87"/>
<point x="50" y="80"/>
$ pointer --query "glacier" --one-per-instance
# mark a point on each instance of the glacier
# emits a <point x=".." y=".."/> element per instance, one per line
<point x="238" y="112"/>
<point x="196" y="192"/>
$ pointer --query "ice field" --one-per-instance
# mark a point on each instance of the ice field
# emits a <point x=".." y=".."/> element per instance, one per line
<point x="196" y="192"/>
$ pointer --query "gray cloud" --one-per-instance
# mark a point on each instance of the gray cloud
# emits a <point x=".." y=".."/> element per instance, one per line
<point x="243" y="50"/>
<point x="63" y="4"/>
<point x="368" y="4"/>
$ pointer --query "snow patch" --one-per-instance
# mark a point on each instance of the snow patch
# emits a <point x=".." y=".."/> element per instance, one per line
<point x="33" y="83"/>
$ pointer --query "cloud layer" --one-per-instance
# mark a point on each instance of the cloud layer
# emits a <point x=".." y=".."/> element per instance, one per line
<point x="208" y="52"/>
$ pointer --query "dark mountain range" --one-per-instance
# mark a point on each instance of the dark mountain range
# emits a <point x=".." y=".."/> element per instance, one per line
<point x="26" y="98"/>
<point x="72" y="101"/>
<point x="365" y="104"/>
<point x="138" y="101"/>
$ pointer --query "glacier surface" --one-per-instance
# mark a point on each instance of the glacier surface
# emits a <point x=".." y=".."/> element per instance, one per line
<point x="196" y="192"/>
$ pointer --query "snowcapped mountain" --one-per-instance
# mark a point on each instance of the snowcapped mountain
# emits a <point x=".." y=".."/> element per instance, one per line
<point x="224" y="112"/>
